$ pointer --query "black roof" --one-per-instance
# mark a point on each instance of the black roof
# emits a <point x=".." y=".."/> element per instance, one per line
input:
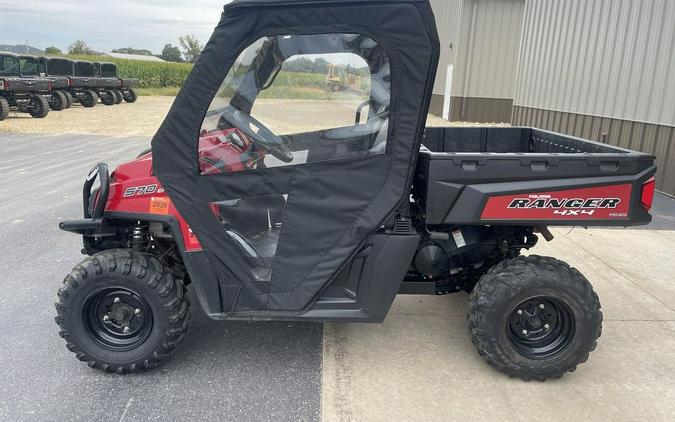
<point x="8" y="53"/>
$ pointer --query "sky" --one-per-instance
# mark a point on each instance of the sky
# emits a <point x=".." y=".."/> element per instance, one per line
<point x="105" y="25"/>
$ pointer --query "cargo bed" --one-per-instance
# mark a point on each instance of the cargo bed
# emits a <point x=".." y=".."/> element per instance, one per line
<point x="474" y="175"/>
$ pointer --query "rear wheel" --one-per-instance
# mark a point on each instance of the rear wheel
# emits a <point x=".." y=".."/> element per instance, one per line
<point x="121" y="311"/>
<point x="89" y="98"/>
<point x="534" y="317"/>
<point x="108" y="98"/>
<point x="38" y="107"/>
<point x="69" y="99"/>
<point x="58" y="101"/>
<point x="4" y="108"/>
<point x="130" y="96"/>
<point x="119" y="97"/>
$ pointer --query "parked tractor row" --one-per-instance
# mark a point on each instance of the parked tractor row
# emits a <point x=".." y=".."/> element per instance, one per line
<point x="36" y="85"/>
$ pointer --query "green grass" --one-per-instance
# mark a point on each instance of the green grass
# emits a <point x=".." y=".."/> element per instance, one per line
<point x="170" y="91"/>
<point x="149" y="74"/>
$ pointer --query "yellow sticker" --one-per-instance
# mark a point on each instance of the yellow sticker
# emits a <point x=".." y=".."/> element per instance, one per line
<point x="159" y="205"/>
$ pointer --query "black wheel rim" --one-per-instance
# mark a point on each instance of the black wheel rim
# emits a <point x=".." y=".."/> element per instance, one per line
<point x="117" y="318"/>
<point x="540" y="327"/>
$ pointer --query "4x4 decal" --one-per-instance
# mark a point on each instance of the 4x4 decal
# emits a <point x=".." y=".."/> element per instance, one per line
<point x="606" y="202"/>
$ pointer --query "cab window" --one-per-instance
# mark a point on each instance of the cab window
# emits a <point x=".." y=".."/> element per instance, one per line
<point x="297" y="99"/>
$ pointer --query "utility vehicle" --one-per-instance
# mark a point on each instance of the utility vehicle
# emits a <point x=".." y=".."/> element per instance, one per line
<point x="84" y="84"/>
<point x="108" y="86"/>
<point x="125" y="86"/>
<point x="23" y="94"/>
<point x="30" y="68"/>
<point x="59" y="71"/>
<point x="272" y="199"/>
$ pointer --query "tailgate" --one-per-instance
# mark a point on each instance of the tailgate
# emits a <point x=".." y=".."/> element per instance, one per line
<point x="567" y="186"/>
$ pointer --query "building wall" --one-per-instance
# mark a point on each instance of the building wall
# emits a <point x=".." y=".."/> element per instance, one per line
<point x="485" y="38"/>
<point x="603" y="70"/>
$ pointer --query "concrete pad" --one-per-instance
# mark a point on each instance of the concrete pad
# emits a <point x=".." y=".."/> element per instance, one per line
<point x="646" y="258"/>
<point x="419" y="365"/>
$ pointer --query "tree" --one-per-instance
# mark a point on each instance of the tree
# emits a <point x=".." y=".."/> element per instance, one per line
<point x="130" y="50"/>
<point x="53" y="51"/>
<point x="171" y="53"/>
<point x="191" y="47"/>
<point x="80" y="47"/>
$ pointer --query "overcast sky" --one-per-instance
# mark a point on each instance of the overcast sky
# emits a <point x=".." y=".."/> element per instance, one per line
<point x="105" y="25"/>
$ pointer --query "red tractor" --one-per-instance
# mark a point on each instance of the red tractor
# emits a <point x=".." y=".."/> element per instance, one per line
<point x="274" y="207"/>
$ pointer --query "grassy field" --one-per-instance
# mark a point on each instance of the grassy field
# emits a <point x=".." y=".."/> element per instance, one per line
<point x="154" y="75"/>
<point x="166" y="78"/>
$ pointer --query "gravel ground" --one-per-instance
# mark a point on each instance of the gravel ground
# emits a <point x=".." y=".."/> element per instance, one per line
<point x="145" y="116"/>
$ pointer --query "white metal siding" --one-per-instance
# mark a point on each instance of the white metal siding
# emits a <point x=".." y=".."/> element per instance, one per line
<point x="486" y="44"/>
<point x="488" y="50"/>
<point x="448" y="17"/>
<point x="609" y="58"/>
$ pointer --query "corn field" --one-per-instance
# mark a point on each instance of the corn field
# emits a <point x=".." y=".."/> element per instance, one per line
<point x="149" y="74"/>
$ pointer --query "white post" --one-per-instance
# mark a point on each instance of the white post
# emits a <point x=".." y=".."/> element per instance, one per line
<point x="448" y="92"/>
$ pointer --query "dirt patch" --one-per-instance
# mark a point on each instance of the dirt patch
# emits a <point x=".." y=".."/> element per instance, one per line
<point x="144" y="117"/>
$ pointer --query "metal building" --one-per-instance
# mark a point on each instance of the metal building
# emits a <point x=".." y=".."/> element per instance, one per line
<point x="479" y="58"/>
<point x="599" y="69"/>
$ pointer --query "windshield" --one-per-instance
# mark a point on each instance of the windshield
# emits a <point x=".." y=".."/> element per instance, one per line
<point x="29" y="66"/>
<point x="59" y="67"/>
<point x="84" y="69"/>
<point x="108" y="70"/>
<point x="9" y="65"/>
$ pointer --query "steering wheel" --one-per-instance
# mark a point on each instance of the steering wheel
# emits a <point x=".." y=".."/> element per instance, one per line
<point x="258" y="133"/>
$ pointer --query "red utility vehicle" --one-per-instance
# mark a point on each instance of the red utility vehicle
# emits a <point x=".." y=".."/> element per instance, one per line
<point x="274" y="200"/>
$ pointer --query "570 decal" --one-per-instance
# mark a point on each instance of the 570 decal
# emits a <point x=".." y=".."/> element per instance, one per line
<point x="142" y="190"/>
<point x="605" y="202"/>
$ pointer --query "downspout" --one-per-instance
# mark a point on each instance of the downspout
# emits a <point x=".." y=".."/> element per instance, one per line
<point x="469" y="59"/>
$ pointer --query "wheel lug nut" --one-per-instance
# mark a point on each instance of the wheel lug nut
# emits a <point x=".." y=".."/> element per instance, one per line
<point x="524" y="332"/>
<point x="137" y="312"/>
<point x="117" y="300"/>
<point x="126" y="329"/>
<point x="546" y="326"/>
<point x="541" y="306"/>
<point x="106" y="317"/>
<point x="520" y="311"/>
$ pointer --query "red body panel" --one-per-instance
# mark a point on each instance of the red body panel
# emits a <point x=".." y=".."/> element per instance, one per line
<point x="597" y="203"/>
<point x="133" y="188"/>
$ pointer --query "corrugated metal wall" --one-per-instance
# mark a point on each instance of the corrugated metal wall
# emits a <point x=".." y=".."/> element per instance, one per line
<point x="488" y="49"/>
<point x="448" y="17"/>
<point x="602" y="69"/>
<point x="481" y="39"/>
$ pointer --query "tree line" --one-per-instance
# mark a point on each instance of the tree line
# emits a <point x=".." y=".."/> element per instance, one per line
<point x="188" y="50"/>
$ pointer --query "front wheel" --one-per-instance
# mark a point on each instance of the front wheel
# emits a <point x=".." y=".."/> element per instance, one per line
<point x="121" y="311"/>
<point x="534" y="317"/>
<point x="58" y="101"/>
<point x="89" y="98"/>
<point x="4" y="108"/>
<point x="108" y="98"/>
<point x="38" y="107"/>
<point x="130" y="96"/>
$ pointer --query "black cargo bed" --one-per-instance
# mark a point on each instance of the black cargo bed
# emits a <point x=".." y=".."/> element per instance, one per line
<point x="461" y="167"/>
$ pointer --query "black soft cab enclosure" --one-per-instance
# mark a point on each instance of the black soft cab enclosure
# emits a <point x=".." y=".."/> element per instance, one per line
<point x="365" y="168"/>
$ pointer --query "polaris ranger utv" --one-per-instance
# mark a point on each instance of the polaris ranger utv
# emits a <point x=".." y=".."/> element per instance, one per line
<point x="25" y="95"/>
<point x="274" y="200"/>
<point x="84" y="84"/>
<point x="108" y="87"/>
<point x="31" y="67"/>
<point x="58" y="71"/>
<point x="125" y="86"/>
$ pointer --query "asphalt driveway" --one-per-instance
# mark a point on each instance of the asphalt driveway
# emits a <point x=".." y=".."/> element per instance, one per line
<point x="222" y="371"/>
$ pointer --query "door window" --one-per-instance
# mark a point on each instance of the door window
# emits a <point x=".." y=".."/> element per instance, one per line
<point x="296" y="99"/>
